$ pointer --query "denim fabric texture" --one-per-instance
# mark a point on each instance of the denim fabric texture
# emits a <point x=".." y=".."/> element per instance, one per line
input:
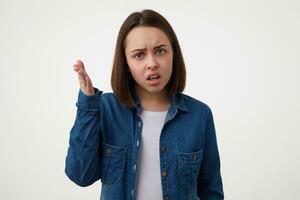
<point x="106" y="137"/>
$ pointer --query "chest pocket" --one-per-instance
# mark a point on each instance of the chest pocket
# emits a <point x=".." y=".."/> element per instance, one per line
<point x="113" y="163"/>
<point x="188" y="167"/>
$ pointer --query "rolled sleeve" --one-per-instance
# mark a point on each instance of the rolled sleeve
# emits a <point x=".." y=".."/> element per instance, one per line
<point x="84" y="159"/>
<point x="89" y="102"/>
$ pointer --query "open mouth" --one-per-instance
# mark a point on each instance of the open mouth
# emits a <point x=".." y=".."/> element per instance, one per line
<point x="153" y="77"/>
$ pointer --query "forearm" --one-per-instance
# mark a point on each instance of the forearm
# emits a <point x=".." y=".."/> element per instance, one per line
<point x="83" y="159"/>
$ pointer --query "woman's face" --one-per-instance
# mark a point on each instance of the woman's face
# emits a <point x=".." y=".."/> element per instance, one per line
<point x="149" y="56"/>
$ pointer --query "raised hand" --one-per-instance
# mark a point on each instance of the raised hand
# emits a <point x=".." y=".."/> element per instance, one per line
<point x="85" y="82"/>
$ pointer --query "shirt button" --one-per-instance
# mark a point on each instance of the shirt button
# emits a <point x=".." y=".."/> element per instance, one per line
<point x="108" y="151"/>
<point x="162" y="148"/>
<point x="194" y="157"/>
<point x="163" y="173"/>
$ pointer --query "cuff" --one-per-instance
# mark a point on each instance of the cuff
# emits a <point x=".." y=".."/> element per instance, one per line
<point x="89" y="102"/>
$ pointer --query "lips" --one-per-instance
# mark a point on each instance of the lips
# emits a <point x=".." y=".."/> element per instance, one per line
<point x="153" y="76"/>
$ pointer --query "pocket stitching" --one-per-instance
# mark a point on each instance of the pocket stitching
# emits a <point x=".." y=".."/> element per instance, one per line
<point x="112" y="156"/>
<point x="186" y="164"/>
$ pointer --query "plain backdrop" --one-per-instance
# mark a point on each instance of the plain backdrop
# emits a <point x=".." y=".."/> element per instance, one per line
<point x="242" y="59"/>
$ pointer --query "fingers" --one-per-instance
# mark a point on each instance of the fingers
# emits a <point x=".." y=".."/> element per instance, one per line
<point x="78" y="65"/>
<point x="84" y="79"/>
<point x="79" y="68"/>
<point x="88" y="82"/>
<point x="81" y="77"/>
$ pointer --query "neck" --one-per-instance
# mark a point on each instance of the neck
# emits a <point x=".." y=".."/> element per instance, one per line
<point x="154" y="102"/>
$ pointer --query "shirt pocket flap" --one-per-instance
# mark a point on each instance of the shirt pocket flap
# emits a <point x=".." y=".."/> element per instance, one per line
<point x="191" y="157"/>
<point x="113" y="151"/>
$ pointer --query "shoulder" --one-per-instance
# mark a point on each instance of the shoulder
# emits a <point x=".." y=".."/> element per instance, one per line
<point x="195" y="105"/>
<point x="109" y="100"/>
<point x="108" y="96"/>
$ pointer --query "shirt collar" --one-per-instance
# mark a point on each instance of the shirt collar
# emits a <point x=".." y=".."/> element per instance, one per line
<point x="177" y="101"/>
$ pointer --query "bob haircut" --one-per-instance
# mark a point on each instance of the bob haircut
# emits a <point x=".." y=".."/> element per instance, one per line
<point x="122" y="82"/>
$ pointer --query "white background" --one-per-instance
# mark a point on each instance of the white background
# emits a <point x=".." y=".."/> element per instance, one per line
<point x="242" y="59"/>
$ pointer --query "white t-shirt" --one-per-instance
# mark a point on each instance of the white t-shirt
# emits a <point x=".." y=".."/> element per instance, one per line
<point x="149" y="172"/>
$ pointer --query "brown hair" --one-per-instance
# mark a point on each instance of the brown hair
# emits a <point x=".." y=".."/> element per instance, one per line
<point x="122" y="81"/>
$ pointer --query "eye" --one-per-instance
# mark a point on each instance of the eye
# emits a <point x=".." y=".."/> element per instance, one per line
<point x="160" y="51"/>
<point x="139" y="55"/>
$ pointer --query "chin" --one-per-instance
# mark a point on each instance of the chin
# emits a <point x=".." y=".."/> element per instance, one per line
<point x="155" y="90"/>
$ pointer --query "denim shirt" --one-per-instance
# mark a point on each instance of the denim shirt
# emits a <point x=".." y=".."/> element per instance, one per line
<point x="106" y="138"/>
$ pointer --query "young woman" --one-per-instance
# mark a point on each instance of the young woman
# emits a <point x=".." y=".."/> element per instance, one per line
<point x="146" y="140"/>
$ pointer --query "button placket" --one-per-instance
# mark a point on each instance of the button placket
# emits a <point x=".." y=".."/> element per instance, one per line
<point x="139" y="125"/>
<point x="162" y="149"/>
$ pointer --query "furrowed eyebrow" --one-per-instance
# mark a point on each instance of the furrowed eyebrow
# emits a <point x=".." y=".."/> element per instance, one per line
<point x="157" y="47"/>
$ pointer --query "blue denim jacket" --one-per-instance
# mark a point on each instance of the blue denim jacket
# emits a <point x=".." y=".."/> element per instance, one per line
<point x="105" y="141"/>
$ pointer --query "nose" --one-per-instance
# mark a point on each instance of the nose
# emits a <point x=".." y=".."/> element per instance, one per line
<point x="151" y="62"/>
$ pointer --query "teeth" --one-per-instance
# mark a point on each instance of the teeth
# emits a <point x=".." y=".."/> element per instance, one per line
<point x="153" y="77"/>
